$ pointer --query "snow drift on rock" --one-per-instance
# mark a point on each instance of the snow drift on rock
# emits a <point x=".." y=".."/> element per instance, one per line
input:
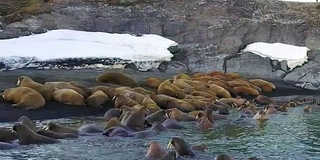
<point x="146" y="51"/>
<point x="294" y="55"/>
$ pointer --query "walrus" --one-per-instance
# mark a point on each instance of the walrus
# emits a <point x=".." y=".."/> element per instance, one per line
<point x="84" y="88"/>
<point x="123" y="110"/>
<point x="223" y="157"/>
<point x="6" y="135"/>
<point x="307" y="108"/>
<point x="263" y="100"/>
<point x="26" y="136"/>
<point x="200" y="147"/>
<point x="91" y="128"/>
<point x="144" y="133"/>
<point x="170" y="155"/>
<point x="195" y="114"/>
<point x="113" y="122"/>
<point x="155" y="151"/>
<point x="55" y="135"/>
<point x="161" y="100"/>
<point x="27" y="121"/>
<point x="121" y="100"/>
<point x="6" y="146"/>
<point x="263" y="84"/>
<point x="181" y="147"/>
<point x="116" y="78"/>
<point x="202" y="93"/>
<point x="261" y="115"/>
<point x="25" y="97"/>
<point x="270" y="109"/>
<point x="181" y="84"/>
<point x="246" y="90"/>
<point x="253" y="158"/>
<point x="181" y="105"/>
<point x="172" y="123"/>
<point x="225" y="86"/>
<point x="114" y="112"/>
<point x="46" y="92"/>
<point x="178" y="115"/>
<point x="220" y="92"/>
<point x="182" y="76"/>
<point x="136" y="120"/>
<point x="138" y="97"/>
<point x="68" y="96"/>
<point x="64" y="85"/>
<point x="282" y="108"/>
<point x="204" y="123"/>
<point x="55" y="127"/>
<point x="142" y="91"/>
<point x="152" y="82"/>
<point x="111" y="92"/>
<point x="116" y="132"/>
<point x="97" y="99"/>
<point x="150" y="104"/>
<point x="157" y="125"/>
<point x="160" y="116"/>
<point x="233" y="101"/>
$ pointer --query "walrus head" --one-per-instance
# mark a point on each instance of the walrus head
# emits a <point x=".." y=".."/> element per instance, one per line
<point x="181" y="147"/>
<point x="223" y="157"/>
<point x="27" y="121"/>
<point x="51" y="126"/>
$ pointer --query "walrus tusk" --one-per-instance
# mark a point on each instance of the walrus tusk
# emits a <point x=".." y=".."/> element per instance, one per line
<point x="18" y="82"/>
<point x="169" y="144"/>
<point x="46" y="128"/>
<point x="12" y="131"/>
<point x="113" y="98"/>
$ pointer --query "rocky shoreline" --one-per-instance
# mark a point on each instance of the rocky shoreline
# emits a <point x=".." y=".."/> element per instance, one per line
<point x="54" y="110"/>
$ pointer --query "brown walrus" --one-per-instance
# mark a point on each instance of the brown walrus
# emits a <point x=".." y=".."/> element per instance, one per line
<point x="178" y="115"/>
<point x="150" y="104"/>
<point x="69" y="96"/>
<point x="55" y="127"/>
<point x="84" y="88"/>
<point x="307" y="108"/>
<point x="121" y="100"/>
<point x="113" y="122"/>
<point x="181" y="105"/>
<point x="152" y="82"/>
<point x="64" y="85"/>
<point x="155" y="151"/>
<point x="24" y="97"/>
<point x="26" y="136"/>
<point x="204" y="123"/>
<point x="116" y="78"/>
<point x="46" y="92"/>
<point x="138" y="97"/>
<point x="170" y="155"/>
<point x="111" y="92"/>
<point x="181" y="147"/>
<point x="6" y="135"/>
<point x="97" y="99"/>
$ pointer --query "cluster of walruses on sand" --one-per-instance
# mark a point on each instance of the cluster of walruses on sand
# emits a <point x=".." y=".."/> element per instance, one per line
<point x="151" y="108"/>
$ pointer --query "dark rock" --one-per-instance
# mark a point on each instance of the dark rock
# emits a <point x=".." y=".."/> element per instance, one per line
<point x="173" y="28"/>
<point x="312" y="53"/>
<point x="284" y="65"/>
<point x="251" y="65"/>
<point x="175" y="49"/>
<point x="173" y="67"/>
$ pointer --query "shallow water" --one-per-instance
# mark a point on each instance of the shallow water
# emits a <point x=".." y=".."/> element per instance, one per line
<point x="293" y="135"/>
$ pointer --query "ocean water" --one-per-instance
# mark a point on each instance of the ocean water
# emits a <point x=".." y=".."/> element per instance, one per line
<point x="294" y="135"/>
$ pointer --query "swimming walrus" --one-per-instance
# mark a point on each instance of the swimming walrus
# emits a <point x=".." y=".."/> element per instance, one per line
<point x="46" y="92"/>
<point x="91" y="128"/>
<point x="155" y="151"/>
<point x="160" y="116"/>
<point x="116" y="78"/>
<point x="24" y="97"/>
<point x="136" y="120"/>
<point x="27" y="121"/>
<point x="115" y="112"/>
<point x="170" y="155"/>
<point x="5" y="146"/>
<point x="55" y="127"/>
<point x="26" y="136"/>
<point x="181" y="147"/>
<point x="172" y="123"/>
<point x="6" y="135"/>
<point x="56" y="135"/>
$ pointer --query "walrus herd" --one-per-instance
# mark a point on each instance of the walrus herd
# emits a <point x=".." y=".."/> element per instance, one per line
<point x="146" y="109"/>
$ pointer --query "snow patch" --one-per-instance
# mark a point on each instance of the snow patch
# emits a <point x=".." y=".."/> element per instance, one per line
<point x="58" y="47"/>
<point x="294" y="55"/>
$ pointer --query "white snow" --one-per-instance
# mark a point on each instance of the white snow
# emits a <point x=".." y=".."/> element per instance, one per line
<point x="299" y="0"/>
<point x="294" y="55"/>
<point x="62" y="44"/>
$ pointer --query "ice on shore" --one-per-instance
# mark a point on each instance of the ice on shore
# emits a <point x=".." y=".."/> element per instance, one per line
<point x="294" y="55"/>
<point x="145" y="51"/>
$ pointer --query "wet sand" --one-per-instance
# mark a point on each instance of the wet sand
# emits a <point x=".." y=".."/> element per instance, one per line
<point x="54" y="110"/>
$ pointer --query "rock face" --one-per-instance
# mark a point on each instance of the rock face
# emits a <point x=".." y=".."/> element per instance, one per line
<point x="211" y="32"/>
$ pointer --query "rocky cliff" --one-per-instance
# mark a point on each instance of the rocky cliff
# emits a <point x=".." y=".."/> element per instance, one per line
<point x="211" y="32"/>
